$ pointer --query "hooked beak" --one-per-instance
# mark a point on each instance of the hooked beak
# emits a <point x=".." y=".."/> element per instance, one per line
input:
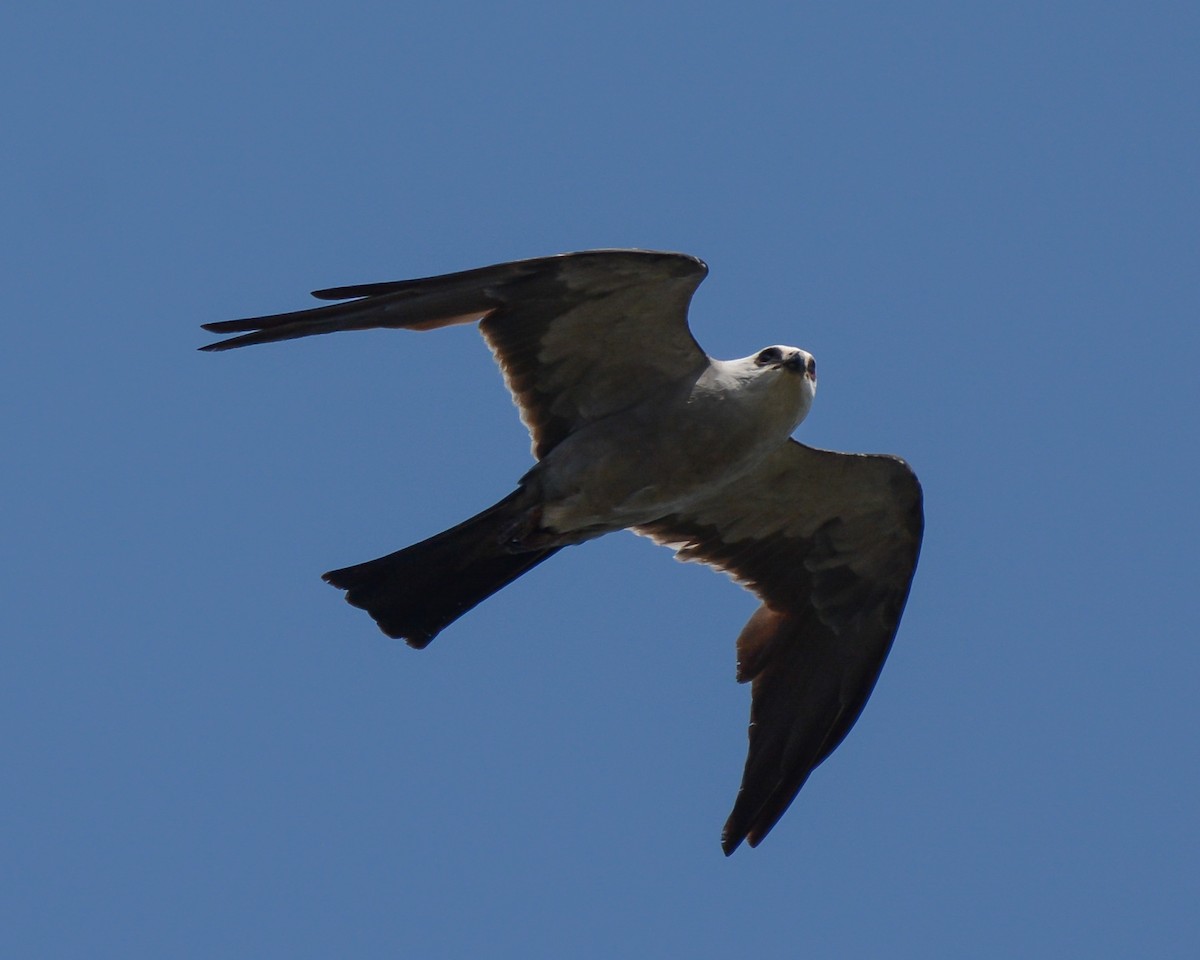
<point x="798" y="364"/>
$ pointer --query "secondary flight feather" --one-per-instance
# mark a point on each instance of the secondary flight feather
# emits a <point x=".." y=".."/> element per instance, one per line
<point x="634" y="426"/>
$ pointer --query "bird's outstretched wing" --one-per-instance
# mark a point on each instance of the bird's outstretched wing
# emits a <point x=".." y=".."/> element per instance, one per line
<point x="829" y="541"/>
<point x="578" y="336"/>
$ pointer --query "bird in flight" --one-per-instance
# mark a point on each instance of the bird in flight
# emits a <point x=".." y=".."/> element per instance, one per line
<point x="635" y="427"/>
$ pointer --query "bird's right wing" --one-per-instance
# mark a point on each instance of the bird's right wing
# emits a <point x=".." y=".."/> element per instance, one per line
<point x="578" y="336"/>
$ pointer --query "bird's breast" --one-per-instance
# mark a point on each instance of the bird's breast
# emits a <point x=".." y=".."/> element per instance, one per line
<point x="657" y="458"/>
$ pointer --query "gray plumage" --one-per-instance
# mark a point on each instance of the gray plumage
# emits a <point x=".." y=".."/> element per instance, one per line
<point x="634" y="426"/>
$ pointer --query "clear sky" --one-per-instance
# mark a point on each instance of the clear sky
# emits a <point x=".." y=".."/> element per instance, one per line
<point x="983" y="220"/>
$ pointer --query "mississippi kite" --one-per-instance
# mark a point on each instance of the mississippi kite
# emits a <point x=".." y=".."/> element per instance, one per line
<point x="634" y="426"/>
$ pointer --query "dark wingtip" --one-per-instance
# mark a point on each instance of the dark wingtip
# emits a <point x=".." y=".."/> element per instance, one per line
<point x="245" y="340"/>
<point x="251" y="330"/>
<point x="736" y="832"/>
<point x="244" y="325"/>
<point x="356" y="291"/>
<point x="332" y="293"/>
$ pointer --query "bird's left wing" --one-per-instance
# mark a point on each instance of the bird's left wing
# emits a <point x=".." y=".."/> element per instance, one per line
<point x="829" y="541"/>
<point x="577" y="336"/>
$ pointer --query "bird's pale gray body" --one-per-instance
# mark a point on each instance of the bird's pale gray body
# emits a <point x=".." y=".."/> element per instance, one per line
<point x="675" y="448"/>
<point x="634" y="426"/>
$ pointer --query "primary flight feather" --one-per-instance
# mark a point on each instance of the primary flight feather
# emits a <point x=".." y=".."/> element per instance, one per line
<point x="634" y="426"/>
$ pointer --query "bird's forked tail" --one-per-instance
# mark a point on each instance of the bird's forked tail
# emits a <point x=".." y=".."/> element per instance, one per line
<point x="418" y="591"/>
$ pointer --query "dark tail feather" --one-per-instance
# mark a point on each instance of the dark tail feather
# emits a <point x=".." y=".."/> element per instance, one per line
<point x="418" y="591"/>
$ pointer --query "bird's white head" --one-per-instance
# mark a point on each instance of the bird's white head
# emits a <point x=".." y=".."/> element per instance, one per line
<point x="773" y="389"/>
<point x="787" y="374"/>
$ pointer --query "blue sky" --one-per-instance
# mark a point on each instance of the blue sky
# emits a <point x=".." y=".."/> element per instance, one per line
<point x="983" y="223"/>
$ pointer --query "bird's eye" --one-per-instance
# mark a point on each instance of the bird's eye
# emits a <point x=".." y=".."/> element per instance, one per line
<point x="811" y="367"/>
<point x="770" y="355"/>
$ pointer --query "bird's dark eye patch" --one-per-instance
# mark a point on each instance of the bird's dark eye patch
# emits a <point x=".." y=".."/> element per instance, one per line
<point x="770" y="355"/>
<point x="811" y="367"/>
